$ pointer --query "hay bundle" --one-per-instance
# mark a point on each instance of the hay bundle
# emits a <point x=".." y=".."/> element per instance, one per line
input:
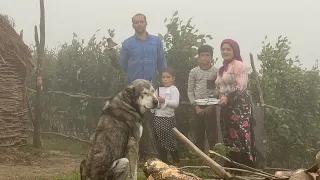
<point x="15" y="63"/>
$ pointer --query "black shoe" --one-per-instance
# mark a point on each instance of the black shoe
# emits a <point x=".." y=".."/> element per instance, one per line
<point x="175" y="157"/>
<point x="163" y="154"/>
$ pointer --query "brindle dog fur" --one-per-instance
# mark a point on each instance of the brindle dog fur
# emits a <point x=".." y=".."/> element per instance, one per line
<point x="117" y="134"/>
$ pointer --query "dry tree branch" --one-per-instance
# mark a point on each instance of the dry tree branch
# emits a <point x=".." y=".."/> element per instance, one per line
<point x="227" y="169"/>
<point x="62" y="135"/>
<point x="18" y="57"/>
<point x="36" y="37"/>
<point x="240" y="165"/>
<point x="1" y="58"/>
<point x="21" y="34"/>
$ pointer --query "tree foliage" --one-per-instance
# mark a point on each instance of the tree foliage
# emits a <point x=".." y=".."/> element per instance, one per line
<point x="292" y="136"/>
<point x="181" y="42"/>
<point x="80" y="67"/>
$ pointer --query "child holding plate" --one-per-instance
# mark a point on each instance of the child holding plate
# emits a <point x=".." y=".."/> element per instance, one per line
<point x="200" y="86"/>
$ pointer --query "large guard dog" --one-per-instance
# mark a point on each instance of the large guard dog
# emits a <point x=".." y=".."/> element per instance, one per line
<point x="117" y="133"/>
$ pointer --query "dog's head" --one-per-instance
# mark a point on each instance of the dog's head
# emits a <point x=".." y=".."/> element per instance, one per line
<point x="141" y="94"/>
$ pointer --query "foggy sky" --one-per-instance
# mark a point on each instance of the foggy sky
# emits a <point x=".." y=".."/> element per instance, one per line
<point x="246" y="21"/>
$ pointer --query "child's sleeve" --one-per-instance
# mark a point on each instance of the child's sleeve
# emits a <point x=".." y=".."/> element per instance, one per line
<point x="191" y="86"/>
<point x="174" y="101"/>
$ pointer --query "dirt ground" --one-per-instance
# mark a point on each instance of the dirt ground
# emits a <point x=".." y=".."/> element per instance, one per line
<point x="28" y="164"/>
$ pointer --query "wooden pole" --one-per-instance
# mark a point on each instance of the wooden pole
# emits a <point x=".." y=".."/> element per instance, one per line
<point x="39" y="83"/>
<point x="217" y="168"/>
<point x="255" y="74"/>
<point x="262" y="104"/>
<point x="21" y="34"/>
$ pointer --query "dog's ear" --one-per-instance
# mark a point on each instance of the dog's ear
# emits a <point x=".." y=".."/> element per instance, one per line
<point x="129" y="90"/>
<point x="106" y="106"/>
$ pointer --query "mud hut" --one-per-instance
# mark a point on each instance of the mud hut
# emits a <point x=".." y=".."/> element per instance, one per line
<point x="15" y="64"/>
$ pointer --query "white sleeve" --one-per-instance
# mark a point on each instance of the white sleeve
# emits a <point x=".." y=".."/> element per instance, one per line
<point x="174" y="101"/>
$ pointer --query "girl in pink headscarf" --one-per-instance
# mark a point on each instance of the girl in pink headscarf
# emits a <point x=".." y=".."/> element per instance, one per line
<point x="236" y="109"/>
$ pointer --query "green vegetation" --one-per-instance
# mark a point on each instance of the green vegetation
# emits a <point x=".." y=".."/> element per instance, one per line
<point x="79" y="67"/>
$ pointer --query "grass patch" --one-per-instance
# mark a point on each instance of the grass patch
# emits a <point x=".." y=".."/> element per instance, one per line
<point x="77" y="148"/>
<point x="53" y="142"/>
<point x="63" y="144"/>
<point x="74" y="175"/>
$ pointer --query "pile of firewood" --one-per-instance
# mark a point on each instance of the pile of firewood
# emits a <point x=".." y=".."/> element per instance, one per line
<point x="155" y="169"/>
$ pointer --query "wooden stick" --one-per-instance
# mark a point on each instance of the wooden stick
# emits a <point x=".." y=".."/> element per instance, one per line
<point x="18" y="57"/>
<point x="82" y="95"/>
<point x="227" y="169"/>
<point x="287" y="110"/>
<point x="217" y="168"/>
<point x="241" y="165"/>
<point x="36" y="37"/>
<point x="62" y="135"/>
<point x="75" y="95"/>
<point x="1" y="58"/>
<point x="21" y="34"/>
<point x="31" y="115"/>
<point x="277" y="169"/>
<point x="255" y="74"/>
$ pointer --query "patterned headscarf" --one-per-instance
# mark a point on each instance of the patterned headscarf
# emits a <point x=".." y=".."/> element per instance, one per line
<point x="236" y="54"/>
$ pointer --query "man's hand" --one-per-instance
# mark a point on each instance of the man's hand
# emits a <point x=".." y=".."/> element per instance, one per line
<point x="223" y="100"/>
<point x="161" y="100"/>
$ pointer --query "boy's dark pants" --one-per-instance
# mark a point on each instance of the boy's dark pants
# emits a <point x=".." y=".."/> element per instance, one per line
<point x="205" y="124"/>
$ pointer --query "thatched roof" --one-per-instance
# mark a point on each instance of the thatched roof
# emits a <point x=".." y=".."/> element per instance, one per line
<point x="15" y="61"/>
<point x="12" y="46"/>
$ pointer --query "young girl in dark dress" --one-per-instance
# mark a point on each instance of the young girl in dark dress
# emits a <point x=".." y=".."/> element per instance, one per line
<point x="164" y="120"/>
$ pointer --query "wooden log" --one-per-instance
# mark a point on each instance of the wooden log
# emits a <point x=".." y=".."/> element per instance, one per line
<point x="299" y="174"/>
<point x="284" y="174"/>
<point x="315" y="167"/>
<point x="155" y="169"/>
<point x="311" y="173"/>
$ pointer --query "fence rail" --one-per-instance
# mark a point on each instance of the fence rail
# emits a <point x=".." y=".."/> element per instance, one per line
<point x="86" y="96"/>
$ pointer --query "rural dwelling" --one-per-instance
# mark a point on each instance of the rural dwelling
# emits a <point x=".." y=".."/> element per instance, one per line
<point x="15" y="64"/>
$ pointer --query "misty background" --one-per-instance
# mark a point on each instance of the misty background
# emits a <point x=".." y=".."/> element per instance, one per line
<point x="246" y="21"/>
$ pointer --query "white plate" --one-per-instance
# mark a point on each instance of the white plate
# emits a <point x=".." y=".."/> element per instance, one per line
<point x="207" y="101"/>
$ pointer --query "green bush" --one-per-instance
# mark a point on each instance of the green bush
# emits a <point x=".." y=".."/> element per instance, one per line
<point x="80" y="67"/>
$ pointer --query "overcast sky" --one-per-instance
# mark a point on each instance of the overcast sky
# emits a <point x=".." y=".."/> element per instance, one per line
<point x="246" y="21"/>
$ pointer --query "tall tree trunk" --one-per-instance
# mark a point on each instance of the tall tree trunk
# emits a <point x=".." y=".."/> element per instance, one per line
<point x="40" y="51"/>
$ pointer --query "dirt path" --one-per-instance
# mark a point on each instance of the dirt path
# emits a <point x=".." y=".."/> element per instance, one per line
<point x="42" y="166"/>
